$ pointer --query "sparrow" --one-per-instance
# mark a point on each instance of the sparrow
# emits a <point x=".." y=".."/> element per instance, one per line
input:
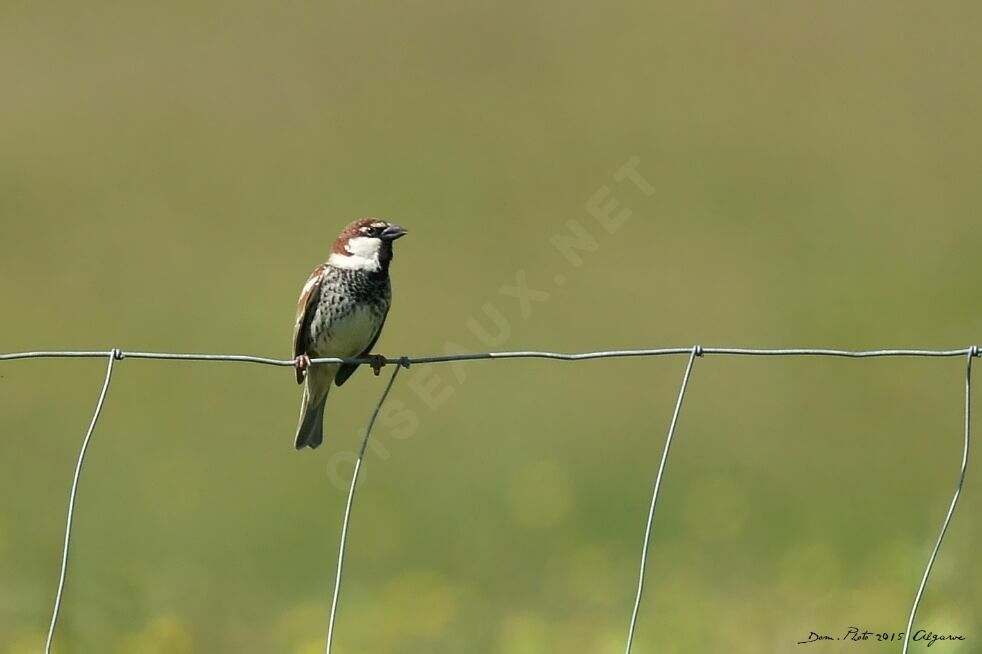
<point x="340" y="313"/>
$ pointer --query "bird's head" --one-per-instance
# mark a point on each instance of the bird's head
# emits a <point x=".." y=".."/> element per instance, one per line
<point x="366" y="244"/>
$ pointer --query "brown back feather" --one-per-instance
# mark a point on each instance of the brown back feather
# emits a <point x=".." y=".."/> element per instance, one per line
<point x="305" y="311"/>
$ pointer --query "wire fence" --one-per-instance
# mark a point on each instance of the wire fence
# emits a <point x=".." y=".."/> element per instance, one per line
<point x="694" y="352"/>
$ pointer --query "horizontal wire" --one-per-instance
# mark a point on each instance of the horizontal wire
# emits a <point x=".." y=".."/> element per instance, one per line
<point x="694" y="351"/>
<point x="54" y="354"/>
<point x="520" y="354"/>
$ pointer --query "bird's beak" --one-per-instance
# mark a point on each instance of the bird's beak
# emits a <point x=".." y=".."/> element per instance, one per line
<point x="392" y="232"/>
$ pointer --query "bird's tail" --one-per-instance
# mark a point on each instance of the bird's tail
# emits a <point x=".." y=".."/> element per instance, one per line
<point x="310" y="431"/>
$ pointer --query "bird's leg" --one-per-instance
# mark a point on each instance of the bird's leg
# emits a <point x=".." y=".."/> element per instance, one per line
<point x="302" y="362"/>
<point x="377" y="362"/>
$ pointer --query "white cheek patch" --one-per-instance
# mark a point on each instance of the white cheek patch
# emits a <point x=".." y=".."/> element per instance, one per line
<point x="363" y="255"/>
<point x="365" y="247"/>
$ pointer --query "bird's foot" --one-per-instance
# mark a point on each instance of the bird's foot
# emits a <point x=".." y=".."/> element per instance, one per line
<point x="302" y="362"/>
<point x="377" y="363"/>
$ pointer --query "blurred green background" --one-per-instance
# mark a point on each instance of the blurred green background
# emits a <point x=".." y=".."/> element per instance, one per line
<point x="170" y="173"/>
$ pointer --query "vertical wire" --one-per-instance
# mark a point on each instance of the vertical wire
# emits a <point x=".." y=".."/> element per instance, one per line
<point x="115" y="354"/>
<point x="973" y="352"/>
<point x="696" y="351"/>
<point x="348" y="505"/>
<point x="71" y="499"/>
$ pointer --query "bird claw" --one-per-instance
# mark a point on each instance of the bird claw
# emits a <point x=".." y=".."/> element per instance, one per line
<point x="302" y="362"/>
<point x="377" y="362"/>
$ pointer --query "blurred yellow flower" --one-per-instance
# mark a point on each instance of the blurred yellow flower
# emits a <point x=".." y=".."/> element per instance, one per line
<point x="523" y="633"/>
<point x="419" y="604"/>
<point x="163" y="635"/>
<point x="297" y="629"/>
<point x="25" y="642"/>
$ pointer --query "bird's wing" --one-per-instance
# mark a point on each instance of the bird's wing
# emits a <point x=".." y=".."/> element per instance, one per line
<point x="305" y="311"/>
<point x="348" y="369"/>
